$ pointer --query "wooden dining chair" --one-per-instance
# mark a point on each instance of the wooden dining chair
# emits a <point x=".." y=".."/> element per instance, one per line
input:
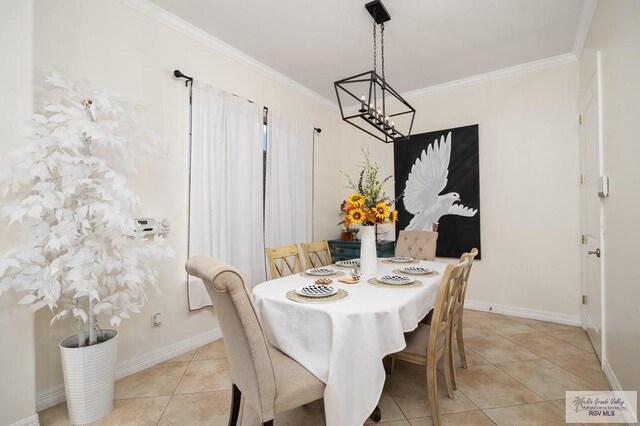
<point x="316" y="254"/>
<point x="417" y="244"/>
<point x="284" y="261"/>
<point x="458" y="312"/>
<point x="426" y="345"/>
<point x="269" y="381"/>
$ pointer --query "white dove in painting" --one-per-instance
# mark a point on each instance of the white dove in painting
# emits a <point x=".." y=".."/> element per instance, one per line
<point x="428" y="177"/>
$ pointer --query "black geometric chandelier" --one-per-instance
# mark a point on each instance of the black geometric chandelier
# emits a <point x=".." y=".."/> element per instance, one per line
<point x="367" y="101"/>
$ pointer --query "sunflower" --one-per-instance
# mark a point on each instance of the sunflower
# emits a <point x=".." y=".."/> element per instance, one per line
<point x="356" y="200"/>
<point x="355" y="215"/>
<point x="393" y="217"/>
<point x="381" y="210"/>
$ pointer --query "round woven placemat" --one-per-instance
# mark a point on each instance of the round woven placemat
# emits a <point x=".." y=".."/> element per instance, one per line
<point x="341" y="294"/>
<point x="413" y="262"/>
<point x="374" y="281"/>
<point x="428" y="274"/>
<point x="334" y="275"/>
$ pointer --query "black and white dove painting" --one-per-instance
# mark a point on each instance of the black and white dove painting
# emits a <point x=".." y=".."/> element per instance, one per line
<point x="428" y="178"/>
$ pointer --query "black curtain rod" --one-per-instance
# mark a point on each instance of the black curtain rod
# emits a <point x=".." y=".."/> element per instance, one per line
<point x="180" y="74"/>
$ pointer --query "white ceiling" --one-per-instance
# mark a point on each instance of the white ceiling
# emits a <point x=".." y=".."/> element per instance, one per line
<point x="427" y="42"/>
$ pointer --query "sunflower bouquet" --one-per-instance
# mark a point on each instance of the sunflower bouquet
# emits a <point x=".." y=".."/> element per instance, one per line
<point x="369" y="204"/>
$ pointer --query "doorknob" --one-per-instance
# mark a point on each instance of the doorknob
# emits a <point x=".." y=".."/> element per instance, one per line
<point x="596" y="252"/>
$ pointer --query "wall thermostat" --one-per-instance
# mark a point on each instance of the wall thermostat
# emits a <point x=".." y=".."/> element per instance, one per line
<point x="151" y="226"/>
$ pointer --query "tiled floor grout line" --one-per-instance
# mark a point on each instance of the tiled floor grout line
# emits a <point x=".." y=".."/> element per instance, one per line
<point x="176" y="388"/>
<point x="568" y="343"/>
<point x="140" y="397"/>
<point x="513" y="405"/>
<point x="548" y="359"/>
<point x="523" y="384"/>
<point x="499" y="369"/>
<point x="581" y="378"/>
<point x="164" y="411"/>
<point x="394" y="400"/>
<point x="544" y="400"/>
<point x="575" y="346"/>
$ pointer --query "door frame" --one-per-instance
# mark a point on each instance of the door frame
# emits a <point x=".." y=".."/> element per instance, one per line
<point x="597" y="76"/>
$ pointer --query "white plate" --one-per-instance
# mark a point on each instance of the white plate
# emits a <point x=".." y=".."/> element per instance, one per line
<point x="321" y="271"/>
<point x="417" y="270"/>
<point x="396" y="279"/>
<point x="348" y="263"/>
<point x="400" y="259"/>
<point x="317" y="291"/>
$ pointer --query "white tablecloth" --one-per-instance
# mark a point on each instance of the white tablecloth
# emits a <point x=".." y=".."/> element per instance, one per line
<point x="343" y="343"/>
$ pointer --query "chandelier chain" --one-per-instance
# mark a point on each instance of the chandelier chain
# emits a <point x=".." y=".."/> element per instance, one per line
<point x="382" y="48"/>
<point x="375" y="55"/>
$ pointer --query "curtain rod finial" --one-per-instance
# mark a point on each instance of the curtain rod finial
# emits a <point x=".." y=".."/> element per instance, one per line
<point x="179" y="74"/>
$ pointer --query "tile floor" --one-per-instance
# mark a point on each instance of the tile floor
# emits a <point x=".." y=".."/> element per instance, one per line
<point x="518" y="372"/>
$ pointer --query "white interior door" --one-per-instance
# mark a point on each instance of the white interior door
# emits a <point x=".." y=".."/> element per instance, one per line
<point x="592" y="223"/>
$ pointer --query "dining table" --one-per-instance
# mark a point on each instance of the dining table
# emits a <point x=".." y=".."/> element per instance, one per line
<point x="343" y="341"/>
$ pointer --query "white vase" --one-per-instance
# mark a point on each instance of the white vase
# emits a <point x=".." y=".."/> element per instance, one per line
<point x="89" y="374"/>
<point x="368" y="256"/>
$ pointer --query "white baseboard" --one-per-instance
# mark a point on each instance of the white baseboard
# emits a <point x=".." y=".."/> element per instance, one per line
<point x="614" y="384"/>
<point x="142" y="362"/>
<point x="56" y="395"/>
<point x="50" y="397"/>
<point x="517" y="311"/>
<point x="29" y="421"/>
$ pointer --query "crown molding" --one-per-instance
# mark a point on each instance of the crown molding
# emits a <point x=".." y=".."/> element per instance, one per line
<point x="493" y="75"/>
<point x="586" y="16"/>
<point x="162" y="16"/>
<point x="553" y="61"/>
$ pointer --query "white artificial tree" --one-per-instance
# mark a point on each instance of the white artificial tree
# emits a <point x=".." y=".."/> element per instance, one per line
<point x="84" y="255"/>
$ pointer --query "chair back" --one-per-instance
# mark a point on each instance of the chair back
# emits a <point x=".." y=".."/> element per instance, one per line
<point x="284" y="260"/>
<point x="441" y="320"/>
<point x="247" y="348"/>
<point x="462" y="290"/>
<point x="417" y="244"/>
<point x="316" y="254"/>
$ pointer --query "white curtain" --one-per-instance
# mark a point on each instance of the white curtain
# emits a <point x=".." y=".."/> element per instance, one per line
<point x="289" y="186"/>
<point x="226" y="220"/>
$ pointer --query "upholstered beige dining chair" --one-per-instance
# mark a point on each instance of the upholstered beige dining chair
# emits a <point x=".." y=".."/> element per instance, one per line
<point x="458" y="311"/>
<point x="426" y="345"/>
<point x="316" y="254"/>
<point x="284" y="260"/>
<point x="270" y="381"/>
<point x="417" y="244"/>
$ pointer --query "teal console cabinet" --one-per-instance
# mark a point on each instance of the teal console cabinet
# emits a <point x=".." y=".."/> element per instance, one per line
<point x="345" y="250"/>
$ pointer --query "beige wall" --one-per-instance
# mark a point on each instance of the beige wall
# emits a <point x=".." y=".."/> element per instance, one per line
<point x="17" y="386"/>
<point x="117" y="48"/>
<point x="615" y="31"/>
<point x="528" y="183"/>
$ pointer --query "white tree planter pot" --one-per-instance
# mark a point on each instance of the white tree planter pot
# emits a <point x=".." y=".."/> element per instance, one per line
<point x="89" y="374"/>
<point x="368" y="255"/>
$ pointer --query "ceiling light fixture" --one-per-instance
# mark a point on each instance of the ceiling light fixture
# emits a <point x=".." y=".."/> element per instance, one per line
<point x="380" y="111"/>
